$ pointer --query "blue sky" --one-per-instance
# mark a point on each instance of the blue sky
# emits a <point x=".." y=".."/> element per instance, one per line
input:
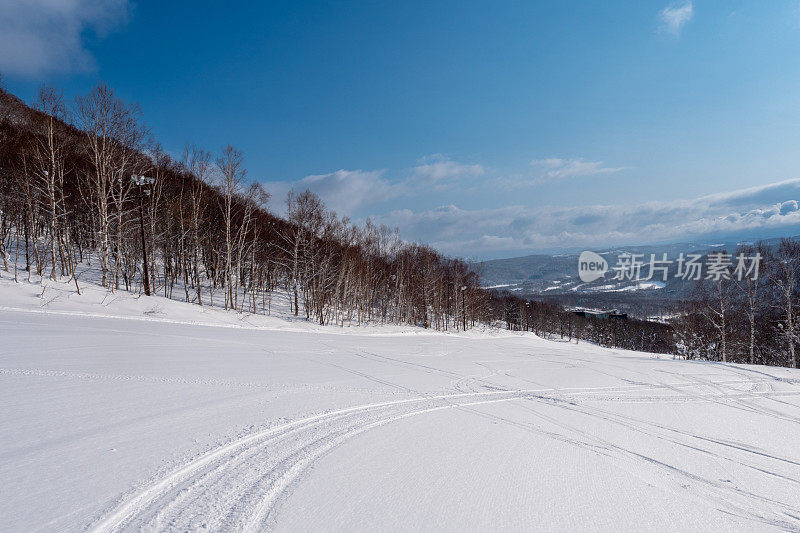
<point x="487" y="129"/>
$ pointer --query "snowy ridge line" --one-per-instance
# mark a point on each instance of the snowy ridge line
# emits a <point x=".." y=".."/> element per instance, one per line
<point x="85" y="314"/>
<point x="87" y="376"/>
<point x="156" y="319"/>
<point x="329" y="330"/>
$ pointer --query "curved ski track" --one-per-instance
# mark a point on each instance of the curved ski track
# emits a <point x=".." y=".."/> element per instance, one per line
<point x="240" y="485"/>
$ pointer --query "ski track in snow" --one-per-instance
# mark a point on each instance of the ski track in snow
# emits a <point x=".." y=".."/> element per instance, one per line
<point x="240" y="485"/>
<point x="264" y="463"/>
<point x="247" y="482"/>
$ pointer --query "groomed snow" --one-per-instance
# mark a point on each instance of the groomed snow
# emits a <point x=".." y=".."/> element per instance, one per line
<point x="141" y="413"/>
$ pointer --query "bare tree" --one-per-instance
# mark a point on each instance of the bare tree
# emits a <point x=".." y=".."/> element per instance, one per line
<point x="230" y="164"/>
<point x="49" y="173"/>
<point x="786" y="264"/>
<point x="304" y="213"/>
<point x="115" y="138"/>
<point x="715" y="296"/>
<point x="750" y="288"/>
<point x="198" y="162"/>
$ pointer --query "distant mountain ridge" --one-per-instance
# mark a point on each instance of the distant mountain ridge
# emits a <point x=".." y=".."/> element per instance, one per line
<point x="557" y="275"/>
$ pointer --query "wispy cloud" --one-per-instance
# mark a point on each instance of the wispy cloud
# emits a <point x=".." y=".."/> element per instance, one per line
<point x="349" y="191"/>
<point x="674" y="17"/>
<point x="344" y="191"/>
<point x="40" y="36"/>
<point x="438" y="169"/>
<point x="555" y="168"/>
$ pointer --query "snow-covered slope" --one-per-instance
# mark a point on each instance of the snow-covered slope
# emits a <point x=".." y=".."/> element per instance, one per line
<point x="142" y="413"/>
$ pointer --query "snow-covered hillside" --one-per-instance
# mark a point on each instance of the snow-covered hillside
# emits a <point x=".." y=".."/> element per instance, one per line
<point x="142" y="413"/>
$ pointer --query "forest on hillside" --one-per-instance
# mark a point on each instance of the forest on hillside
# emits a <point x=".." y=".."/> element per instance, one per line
<point x="87" y="178"/>
<point x="85" y="181"/>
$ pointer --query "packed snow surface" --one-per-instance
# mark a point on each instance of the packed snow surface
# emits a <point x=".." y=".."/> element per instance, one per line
<point x="126" y="413"/>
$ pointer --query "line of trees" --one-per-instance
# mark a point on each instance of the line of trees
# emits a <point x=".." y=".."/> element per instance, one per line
<point x="550" y="320"/>
<point x="748" y="320"/>
<point x="71" y="192"/>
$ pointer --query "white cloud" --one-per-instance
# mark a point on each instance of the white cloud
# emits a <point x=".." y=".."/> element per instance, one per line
<point x="555" y="168"/>
<point x="39" y="36"/>
<point x="438" y="168"/>
<point x="348" y="191"/>
<point x="674" y="17"/>
<point x="764" y="211"/>
<point x="344" y="191"/>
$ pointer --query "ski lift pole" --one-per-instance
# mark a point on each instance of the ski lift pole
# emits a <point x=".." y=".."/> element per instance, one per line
<point x="463" y="308"/>
<point x="141" y="181"/>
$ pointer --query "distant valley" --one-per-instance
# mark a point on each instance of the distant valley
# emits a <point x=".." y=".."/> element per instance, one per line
<point x="555" y="278"/>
